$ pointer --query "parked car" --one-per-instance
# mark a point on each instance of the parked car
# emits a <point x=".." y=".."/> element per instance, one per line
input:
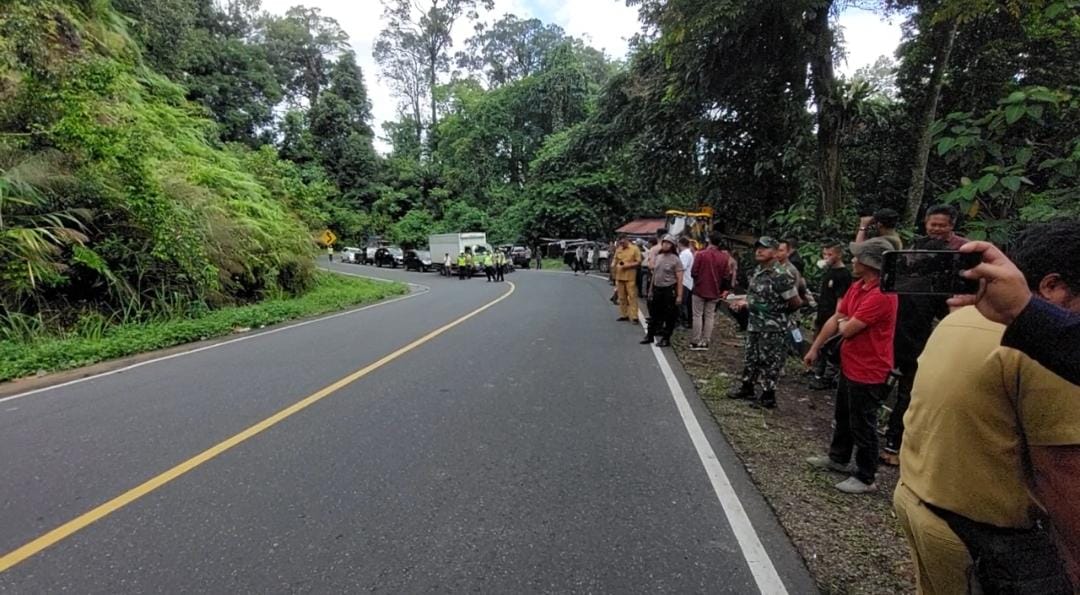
<point x="418" y="260"/>
<point x="390" y="256"/>
<point x="352" y="255"/>
<point x="520" y="256"/>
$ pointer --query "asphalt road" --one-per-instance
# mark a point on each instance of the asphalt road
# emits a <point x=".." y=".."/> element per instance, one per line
<point x="533" y="447"/>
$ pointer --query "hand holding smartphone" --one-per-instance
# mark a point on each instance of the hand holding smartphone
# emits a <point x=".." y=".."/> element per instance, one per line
<point x="928" y="272"/>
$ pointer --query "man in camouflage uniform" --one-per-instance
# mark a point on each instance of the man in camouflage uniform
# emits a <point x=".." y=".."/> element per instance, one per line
<point x="772" y="296"/>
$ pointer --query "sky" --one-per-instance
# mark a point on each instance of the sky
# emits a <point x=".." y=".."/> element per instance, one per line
<point x="605" y="24"/>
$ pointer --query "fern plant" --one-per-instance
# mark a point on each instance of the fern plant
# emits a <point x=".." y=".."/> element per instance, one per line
<point x="33" y="234"/>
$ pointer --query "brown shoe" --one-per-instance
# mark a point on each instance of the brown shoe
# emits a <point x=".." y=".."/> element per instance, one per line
<point x="890" y="458"/>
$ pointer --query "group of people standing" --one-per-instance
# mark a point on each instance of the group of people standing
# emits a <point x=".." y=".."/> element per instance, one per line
<point x="493" y="263"/>
<point x="677" y="282"/>
<point x="986" y="438"/>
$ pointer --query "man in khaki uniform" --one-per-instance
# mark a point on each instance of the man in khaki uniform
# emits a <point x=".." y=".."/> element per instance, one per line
<point x="991" y="437"/>
<point x="627" y="261"/>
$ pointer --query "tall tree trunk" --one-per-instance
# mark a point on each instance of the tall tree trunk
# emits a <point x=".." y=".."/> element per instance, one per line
<point x="942" y="51"/>
<point x="419" y="124"/>
<point x="516" y="150"/>
<point x="829" y="108"/>
<point x="433" y="79"/>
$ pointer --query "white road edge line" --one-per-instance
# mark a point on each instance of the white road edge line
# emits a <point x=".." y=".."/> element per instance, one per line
<point x="757" y="558"/>
<point x="423" y="290"/>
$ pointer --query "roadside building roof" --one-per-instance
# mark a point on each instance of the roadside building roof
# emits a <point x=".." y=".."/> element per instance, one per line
<point x="643" y="227"/>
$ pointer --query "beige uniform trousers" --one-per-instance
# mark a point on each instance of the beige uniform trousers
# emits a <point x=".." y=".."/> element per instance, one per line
<point x="628" y="298"/>
<point x="941" y="560"/>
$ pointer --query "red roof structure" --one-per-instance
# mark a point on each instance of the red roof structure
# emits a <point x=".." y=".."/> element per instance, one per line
<point x="643" y="227"/>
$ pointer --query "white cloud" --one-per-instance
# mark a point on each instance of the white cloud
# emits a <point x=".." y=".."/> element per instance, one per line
<point x="867" y="36"/>
<point x="606" y="24"/>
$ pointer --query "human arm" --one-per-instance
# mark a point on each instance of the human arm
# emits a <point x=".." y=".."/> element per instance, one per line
<point x="1056" y="488"/>
<point x="788" y="288"/>
<point x="1003" y="293"/>
<point x="875" y="308"/>
<point x="851" y="327"/>
<point x="864" y="224"/>
<point x="678" y="285"/>
<point x="1045" y="332"/>
<point x="828" y="329"/>
<point x="1049" y="335"/>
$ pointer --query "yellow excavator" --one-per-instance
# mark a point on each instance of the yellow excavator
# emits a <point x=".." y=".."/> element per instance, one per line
<point x="696" y="225"/>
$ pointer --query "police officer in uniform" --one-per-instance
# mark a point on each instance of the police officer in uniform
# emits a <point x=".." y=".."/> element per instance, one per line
<point x="462" y="264"/>
<point x="772" y="296"/>
<point x="500" y="265"/>
<point x="488" y="262"/>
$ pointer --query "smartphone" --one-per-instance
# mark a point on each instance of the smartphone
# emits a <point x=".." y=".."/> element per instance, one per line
<point x="928" y="272"/>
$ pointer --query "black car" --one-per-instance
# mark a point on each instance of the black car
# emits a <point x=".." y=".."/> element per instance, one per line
<point x="389" y="257"/>
<point x="417" y="260"/>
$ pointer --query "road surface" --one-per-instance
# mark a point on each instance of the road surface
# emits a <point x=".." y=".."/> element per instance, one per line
<point x="471" y="437"/>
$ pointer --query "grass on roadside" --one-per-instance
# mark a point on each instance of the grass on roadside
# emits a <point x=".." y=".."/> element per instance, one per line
<point x="330" y="293"/>
<point x="851" y="544"/>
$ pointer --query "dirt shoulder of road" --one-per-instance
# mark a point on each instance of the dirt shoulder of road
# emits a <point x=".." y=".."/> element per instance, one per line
<point x="851" y="544"/>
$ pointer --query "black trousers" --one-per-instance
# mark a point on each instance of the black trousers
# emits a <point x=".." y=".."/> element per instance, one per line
<point x="490" y="272"/>
<point x="499" y="270"/>
<point x="461" y="272"/>
<point x="856" y="413"/>
<point x="664" y="312"/>
<point x="894" y="435"/>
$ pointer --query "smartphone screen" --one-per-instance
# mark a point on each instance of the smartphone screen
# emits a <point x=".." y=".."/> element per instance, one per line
<point x="928" y="272"/>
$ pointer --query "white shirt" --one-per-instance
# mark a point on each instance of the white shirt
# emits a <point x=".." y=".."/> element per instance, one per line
<point x="687" y="258"/>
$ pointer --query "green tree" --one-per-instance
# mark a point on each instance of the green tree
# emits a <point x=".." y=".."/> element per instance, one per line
<point x="413" y="229"/>
<point x="301" y="46"/>
<point x="418" y="35"/>
<point x="211" y="49"/>
<point x="510" y="49"/>
<point x="341" y="133"/>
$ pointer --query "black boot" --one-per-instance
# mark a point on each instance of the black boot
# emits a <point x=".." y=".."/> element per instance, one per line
<point x="648" y="339"/>
<point x="767" y="401"/>
<point x="745" y="391"/>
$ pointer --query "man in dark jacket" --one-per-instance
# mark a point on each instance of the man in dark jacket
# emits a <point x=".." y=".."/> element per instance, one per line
<point x="915" y="321"/>
<point x="835" y="282"/>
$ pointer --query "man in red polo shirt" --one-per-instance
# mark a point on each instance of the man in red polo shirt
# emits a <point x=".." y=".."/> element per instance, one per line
<point x="866" y="319"/>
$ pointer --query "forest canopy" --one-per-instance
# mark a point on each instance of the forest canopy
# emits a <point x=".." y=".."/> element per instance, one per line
<point x="164" y="152"/>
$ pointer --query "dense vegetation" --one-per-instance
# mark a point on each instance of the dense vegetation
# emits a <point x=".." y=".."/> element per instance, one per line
<point x="94" y="340"/>
<point x="178" y="155"/>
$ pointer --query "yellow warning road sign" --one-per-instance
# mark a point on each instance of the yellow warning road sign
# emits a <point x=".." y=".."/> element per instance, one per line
<point x="327" y="238"/>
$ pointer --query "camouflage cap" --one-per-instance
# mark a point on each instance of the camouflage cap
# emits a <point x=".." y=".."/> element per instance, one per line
<point x="767" y="242"/>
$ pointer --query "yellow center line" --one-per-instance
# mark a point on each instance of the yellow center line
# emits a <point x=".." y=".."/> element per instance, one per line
<point x="82" y="521"/>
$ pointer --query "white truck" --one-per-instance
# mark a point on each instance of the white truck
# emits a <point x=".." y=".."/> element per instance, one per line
<point x="442" y="244"/>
